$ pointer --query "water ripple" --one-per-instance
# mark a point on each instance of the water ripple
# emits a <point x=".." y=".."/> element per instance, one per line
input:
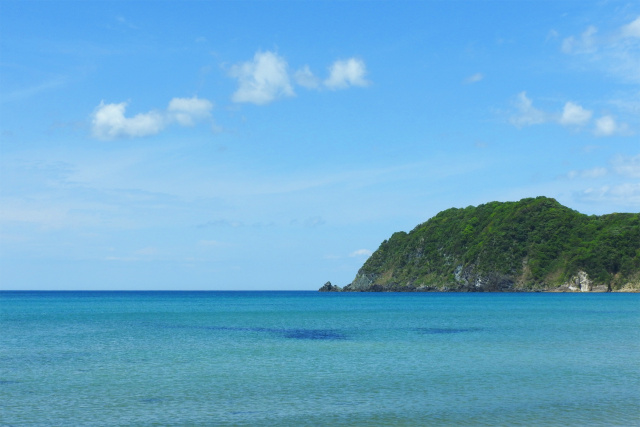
<point x="436" y="331"/>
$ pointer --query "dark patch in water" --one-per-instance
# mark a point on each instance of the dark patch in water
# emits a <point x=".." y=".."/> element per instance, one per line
<point x="436" y="331"/>
<point x="298" y="334"/>
<point x="313" y="334"/>
<point x="9" y="382"/>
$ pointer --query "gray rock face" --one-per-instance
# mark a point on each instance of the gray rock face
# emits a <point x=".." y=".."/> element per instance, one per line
<point x="468" y="279"/>
<point x="582" y="283"/>
<point x="361" y="283"/>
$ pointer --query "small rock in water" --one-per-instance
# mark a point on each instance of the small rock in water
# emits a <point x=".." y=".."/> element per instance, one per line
<point x="328" y="287"/>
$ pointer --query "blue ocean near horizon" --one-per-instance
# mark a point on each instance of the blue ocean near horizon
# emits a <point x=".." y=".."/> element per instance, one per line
<point x="310" y="358"/>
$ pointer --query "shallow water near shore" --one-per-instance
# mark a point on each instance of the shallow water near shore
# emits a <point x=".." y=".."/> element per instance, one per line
<point x="309" y="358"/>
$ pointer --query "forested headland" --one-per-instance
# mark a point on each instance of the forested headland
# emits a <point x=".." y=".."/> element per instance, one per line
<point x="535" y="244"/>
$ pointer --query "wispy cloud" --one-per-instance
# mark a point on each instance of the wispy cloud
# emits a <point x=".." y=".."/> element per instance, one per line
<point x="618" y="181"/>
<point x="475" y="78"/>
<point x="632" y="29"/>
<point x="346" y="73"/>
<point x="572" y="115"/>
<point x="626" y="194"/>
<point x="628" y="166"/>
<point x="361" y="253"/>
<point x="125" y="23"/>
<point x="527" y="114"/>
<point x="305" y="78"/>
<point x="583" y="44"/>
<point x="616" y="52"/>
<point x="596" y="172"/>
<point x="109" y="121"/>
<point x="31" y="91"/>
<point x="624" y="166"/>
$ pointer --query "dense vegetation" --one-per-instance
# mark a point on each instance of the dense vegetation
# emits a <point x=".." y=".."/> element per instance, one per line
<point x="533" y="244"/>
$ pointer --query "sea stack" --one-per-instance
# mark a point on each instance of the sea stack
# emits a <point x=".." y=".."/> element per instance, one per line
<point x="328" y="287"/>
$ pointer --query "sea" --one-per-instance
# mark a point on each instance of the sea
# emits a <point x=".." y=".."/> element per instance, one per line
<point x="319" y="359"/>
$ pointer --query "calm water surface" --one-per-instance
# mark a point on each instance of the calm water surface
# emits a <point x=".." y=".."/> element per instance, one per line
<point x="308" y="358"/>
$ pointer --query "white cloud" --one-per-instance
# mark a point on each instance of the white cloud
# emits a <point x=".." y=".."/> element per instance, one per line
<point x="262" y="80"/>
<point x="187" y="111"/>
<point x="304" y="77"/>
<point x="574" y="114"/>
<point x="607" y="126"/>
<point x="474" y="78"/>
<point x="266" y="78"/>
<point x="361" y="253"/>
<point x="627" y="166"/>
<point x="632" y="29"/>
<point x="527" y="114"/>
<point x="350" y="72"/>
<point x="109" y="121"/>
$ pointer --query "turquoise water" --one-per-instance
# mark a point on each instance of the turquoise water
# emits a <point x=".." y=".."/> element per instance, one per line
<point x="308" y="358"/>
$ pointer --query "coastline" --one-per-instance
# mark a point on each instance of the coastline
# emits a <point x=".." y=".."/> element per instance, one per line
<point x="601" y="289"/>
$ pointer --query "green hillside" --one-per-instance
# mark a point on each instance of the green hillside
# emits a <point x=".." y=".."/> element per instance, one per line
<point x="530" y="245"/>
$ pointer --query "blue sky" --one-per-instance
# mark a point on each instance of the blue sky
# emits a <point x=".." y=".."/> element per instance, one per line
<point x="274" y="145"/>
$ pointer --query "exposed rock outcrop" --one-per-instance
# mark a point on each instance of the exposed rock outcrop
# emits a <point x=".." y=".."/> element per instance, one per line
<point x="582" y="283"/>
<point x="362" y="282"/>
<point x="469" y="280"/>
